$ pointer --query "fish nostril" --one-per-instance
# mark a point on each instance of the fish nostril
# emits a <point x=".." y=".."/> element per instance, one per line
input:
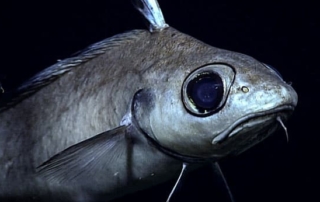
<point x="245" y="89"/>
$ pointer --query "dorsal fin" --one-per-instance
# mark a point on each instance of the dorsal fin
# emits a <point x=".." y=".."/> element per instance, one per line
<point x="55" y="71"/>
<point x="150" y="9"/>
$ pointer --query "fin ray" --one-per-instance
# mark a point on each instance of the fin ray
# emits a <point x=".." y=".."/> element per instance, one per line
<point x="86" y="158"/>
<point x="50" y="74"/>
<point x="221" y="179"/>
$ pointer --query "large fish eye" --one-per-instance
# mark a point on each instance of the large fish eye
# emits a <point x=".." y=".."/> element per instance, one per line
<point x="206" y="89"/>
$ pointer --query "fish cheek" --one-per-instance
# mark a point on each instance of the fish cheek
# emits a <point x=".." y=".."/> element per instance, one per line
<point x="142" y="105"/>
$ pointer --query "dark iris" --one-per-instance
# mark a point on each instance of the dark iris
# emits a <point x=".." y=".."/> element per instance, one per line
<point x="205" y="91"/>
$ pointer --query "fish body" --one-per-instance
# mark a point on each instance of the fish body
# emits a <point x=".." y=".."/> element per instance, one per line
<point x="125" y="113"/>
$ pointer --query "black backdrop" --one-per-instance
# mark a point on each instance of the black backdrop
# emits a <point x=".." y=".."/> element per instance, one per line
<point x="285" y="34"/>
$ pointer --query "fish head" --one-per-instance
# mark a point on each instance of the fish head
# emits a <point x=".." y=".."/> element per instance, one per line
<point x="207" y="103"/>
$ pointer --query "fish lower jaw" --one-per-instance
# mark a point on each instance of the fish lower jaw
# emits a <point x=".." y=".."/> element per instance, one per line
<point x="254" y="122"/>
<point x="252" y="125"/>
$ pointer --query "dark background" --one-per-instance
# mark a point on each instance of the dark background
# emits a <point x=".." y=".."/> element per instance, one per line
<point x="284" y="34"/>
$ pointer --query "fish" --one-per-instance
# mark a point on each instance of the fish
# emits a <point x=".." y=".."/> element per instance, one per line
<point x="132" y="111"/>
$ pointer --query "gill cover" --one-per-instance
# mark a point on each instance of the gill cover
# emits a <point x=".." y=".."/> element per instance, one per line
<point x="211" y="104"/>
<point x="201" y="102"/>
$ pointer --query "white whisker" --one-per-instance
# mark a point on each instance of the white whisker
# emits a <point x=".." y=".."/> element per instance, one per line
<point x="283" y="126"/>
<point x="184" y="165"/>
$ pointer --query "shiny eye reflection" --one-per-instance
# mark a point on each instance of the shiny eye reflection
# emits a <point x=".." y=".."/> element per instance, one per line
<point x="205" y="91"/>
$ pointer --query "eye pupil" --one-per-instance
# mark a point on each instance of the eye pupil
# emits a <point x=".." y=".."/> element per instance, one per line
<point x="205" y="91"/>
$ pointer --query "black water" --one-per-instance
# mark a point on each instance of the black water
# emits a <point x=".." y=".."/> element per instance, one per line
<point x="284" y="34"/>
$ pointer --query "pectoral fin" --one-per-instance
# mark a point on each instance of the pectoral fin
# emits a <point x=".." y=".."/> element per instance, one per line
<point x="87" y="160"/>
<point x="221" y="180"/>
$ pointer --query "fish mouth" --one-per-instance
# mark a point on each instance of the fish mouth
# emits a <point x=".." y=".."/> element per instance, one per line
<point x="252" y="120"/>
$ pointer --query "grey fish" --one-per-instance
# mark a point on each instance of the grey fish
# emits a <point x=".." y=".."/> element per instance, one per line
<point x="129" y="111"/>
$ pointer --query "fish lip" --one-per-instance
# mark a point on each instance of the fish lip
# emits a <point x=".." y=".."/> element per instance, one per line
<point x="225" y="134"/>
